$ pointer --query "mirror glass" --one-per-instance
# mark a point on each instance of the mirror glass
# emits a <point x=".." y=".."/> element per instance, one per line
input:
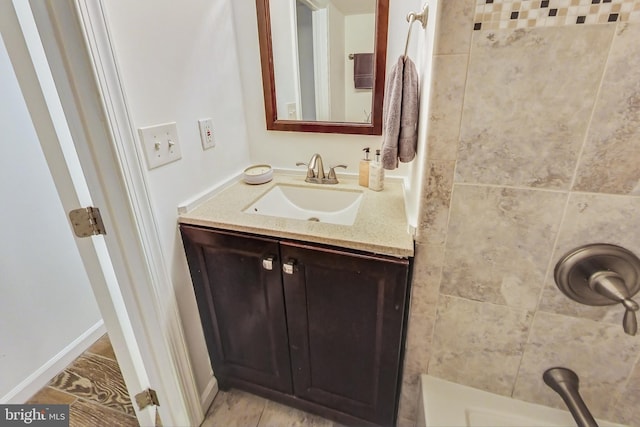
<point x="323" y="64"/>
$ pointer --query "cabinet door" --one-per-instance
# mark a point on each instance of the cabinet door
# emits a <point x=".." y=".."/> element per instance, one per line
<point x="345" y="314"/>
<point x="241" y="306"/>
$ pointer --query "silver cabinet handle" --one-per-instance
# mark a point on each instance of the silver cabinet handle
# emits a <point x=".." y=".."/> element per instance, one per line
<point x="289" y="267"/>
<point x="267" y="262"/>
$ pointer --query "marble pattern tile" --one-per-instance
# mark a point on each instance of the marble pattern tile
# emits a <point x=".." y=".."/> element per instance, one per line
<point x="235" y="408"/>
<point x="478" y="344"/>
<point x="609" y="163"/>
<point x="592" y="218"/>
<point x="455" y="26"/>
<point x="416" y="362"/>
<point x="499" y="242"/>
<point x="601" y="354"/>
<point x="445" y="112"/>
<point x="625" y="405"/>
<point x="525" y="117"/>
<point x="277" y="415"/>
<point x="425" y="284"/>
<point x="436" y="197"/>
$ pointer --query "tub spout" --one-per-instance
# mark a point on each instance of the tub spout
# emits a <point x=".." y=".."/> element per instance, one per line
<point x="565" y="382"/>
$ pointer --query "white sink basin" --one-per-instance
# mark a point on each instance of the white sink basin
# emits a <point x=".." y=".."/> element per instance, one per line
<point x="309" y="204"/>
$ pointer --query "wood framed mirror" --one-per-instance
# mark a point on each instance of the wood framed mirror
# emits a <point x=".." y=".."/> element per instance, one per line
<point x="285" y="29"/>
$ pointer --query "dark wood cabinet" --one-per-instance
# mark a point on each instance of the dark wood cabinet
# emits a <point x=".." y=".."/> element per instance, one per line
<point x="315" y="327"/>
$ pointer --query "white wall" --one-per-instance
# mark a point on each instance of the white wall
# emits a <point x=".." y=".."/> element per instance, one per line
<point x="358" y="38"/>
<point x="179" y="64"/>
<point x="284" y="149"/>
<point x="47" y="302"/>
<point x="182" y="63"/>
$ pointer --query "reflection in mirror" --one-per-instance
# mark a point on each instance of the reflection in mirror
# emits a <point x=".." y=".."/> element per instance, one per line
<point x="323" y="64"/>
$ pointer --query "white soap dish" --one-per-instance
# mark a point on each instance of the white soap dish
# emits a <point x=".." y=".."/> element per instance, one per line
<point x="258" y="174"/>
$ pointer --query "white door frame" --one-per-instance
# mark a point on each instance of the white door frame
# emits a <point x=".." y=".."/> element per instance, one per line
<point x="126" y="267"/>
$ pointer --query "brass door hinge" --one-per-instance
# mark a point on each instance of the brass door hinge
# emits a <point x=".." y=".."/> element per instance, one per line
<point x="87" y="222"/>
<point x="146" y="398"/>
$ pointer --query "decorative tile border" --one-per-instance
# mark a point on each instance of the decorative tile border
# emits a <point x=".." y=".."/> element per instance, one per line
<point x="500" y="14"/>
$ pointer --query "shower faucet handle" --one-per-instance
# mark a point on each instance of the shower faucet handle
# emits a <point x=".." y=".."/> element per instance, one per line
<point x="611" y="285"/>
<point x="602" y="274"/>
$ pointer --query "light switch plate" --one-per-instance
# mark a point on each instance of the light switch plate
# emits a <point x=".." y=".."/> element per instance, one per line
<point x="160" y="143"/>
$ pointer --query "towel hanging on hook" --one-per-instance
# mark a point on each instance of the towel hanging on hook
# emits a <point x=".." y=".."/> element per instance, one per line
<point x="413" y="17"/>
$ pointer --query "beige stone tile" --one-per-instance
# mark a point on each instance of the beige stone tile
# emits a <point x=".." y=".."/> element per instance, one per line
<point x="478" y="344"/>
<point x="436" y="197"/>
<point x="425" y="284"/>
<point x="455" y="26"/>
<point x="235" y="408"/>
<point x="277" y="415"/>
<point x="601" y="354"/>
<point x="626" y="404"/>
<point x="416" y="362"/>
<point x="408" y="404"/>
<point x="499" y="243"/>
<point x="593" y="218"/>
<point x="447" y="96"/>
<point x="610" y="160"/>
<point x="404" y="422"/>
<point x="528" y="100"/>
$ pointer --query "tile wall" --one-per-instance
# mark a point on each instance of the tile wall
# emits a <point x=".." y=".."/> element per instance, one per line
<point x="533" y="150"/>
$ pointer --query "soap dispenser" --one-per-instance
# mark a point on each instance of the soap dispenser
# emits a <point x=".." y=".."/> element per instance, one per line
<point x="376" y="174"/>
<point x="363" y="177"/>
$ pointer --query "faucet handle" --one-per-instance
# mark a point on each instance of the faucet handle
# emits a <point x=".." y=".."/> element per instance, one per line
<point x="310" y="172"/>
<point x="611" y="285"/>
<point x="332" y="172"/>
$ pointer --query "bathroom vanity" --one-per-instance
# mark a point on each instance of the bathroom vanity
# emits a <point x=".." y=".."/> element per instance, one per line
<point x="306" y="313"/>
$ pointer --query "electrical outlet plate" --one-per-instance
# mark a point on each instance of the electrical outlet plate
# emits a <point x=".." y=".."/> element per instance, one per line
<point x="160" y="143"/>
<point x="206" y="133"/>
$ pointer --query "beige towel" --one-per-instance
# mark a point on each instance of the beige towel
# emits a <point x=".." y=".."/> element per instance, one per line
<point x="400" y="114"/>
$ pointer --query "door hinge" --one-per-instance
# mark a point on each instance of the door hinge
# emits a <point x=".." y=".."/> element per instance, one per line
<point x="87" y="222"/>
<point x="146" y="398"/>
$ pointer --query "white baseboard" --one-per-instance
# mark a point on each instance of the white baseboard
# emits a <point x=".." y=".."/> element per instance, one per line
<point x="38" y="379"/>
<point x="209" y="393"/>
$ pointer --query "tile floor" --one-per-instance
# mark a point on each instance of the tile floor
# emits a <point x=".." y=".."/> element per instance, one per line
<point x="240" y="409"/>
<point x="93" y="388"/>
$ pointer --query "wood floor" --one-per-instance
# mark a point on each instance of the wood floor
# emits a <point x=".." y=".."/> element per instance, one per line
<point x="93" y="388"/>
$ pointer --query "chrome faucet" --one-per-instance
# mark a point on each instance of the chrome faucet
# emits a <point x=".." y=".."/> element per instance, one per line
<point x="320" y="177"/>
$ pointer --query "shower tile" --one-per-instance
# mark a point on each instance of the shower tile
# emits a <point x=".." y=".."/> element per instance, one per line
<point x="593" y="218"/>
<point x="499" y="242"/>
<point x="436" y="197"/>
<point x="447" y="95"/>
<point x="425" y="283"/>
<point x="455" y="26"/>
<point x="478" y="344"/>
<point x="609" y="163"/>
<point x="528" y="100"/>
<point x="601" y="354"/>
<point x="418" y="350"/>
<point x="625" y="405"/>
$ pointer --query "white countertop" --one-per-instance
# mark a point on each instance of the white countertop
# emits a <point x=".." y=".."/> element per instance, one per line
<point x="380" y="227"/>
